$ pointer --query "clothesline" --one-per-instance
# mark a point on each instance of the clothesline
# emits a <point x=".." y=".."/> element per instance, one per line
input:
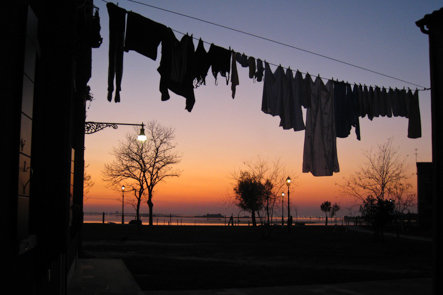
<point x="420" y="87"/>
<point x="304" y="73"/>
<point x="332" y="108"/>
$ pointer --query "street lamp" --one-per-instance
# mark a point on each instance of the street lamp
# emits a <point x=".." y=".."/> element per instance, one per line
<point x="142" y="136"/>
<point x="123" y="204"/>
<point x="93" y="127"/>
<point x="288" y="183"/>
<point x="282" y="220"/>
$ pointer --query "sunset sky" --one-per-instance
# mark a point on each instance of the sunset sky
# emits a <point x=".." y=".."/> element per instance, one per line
<point x="221" y="133"/>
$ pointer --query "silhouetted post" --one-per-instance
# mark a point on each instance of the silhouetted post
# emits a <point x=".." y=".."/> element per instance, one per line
<point x="103" y="217"/>
<point x="288" y="183"/>
<point x="282" y="218"/>
<point x="123" y="204"/>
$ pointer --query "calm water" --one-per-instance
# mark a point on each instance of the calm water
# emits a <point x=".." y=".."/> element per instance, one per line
<point x="197" y="220"/>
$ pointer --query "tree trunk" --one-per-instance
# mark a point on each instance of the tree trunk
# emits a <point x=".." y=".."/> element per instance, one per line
<point x="150" y="205"/>
<point x="137" y="209"/>
<point x="326" y="222"/>
<point x="254" y="223"/>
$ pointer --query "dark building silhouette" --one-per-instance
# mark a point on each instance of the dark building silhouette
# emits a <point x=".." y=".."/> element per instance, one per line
<point x="432" y="25"/>
<point x="45" y="67"/>
<point x="424" y="195"/>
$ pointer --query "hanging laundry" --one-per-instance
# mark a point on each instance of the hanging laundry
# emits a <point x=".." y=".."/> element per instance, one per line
<point x="352" y="101"/>
<point x="143" y="35"/>
<point x="242" y="59"/>
<point x="320" y="150"/>
<point x="177" y="68"/>
<point x="273" y="91"/>
<point x="117" y="21"/>
<point x="395" y="98"/>
<point x="260" y="69"/>
<point x="306" y="94"/>
<point x="376" y="102"/>
<point x="386" y="100"/>
<point x="287" y="101"/>
<point x="414" y="124"/>
<point x="402" y="112"/>
<point x="371" y="103"/>
<point x="345" y="110"/>
<point x="251" y="63"/>
<point x="366" y="102"/>
<point x="299" y="88"/>
<point x="383" y="102"/>
<point x="341" y="110"/>
<point x="219" y="58"/>
<point x="202" y="64"/>
<point x="295" y="112"/>
<point x="234" y="74"/>
<point x="279" y="98"/>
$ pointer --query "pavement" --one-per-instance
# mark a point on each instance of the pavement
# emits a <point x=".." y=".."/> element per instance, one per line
<point x="110" y="276"/>
<point x="102" y="277"/>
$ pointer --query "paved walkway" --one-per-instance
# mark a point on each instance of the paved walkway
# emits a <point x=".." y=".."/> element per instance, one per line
<point x="102" y="277"/>
<point x="110" y="276"/>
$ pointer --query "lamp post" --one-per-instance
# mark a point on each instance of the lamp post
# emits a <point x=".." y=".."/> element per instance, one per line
<point x="123" y="204"/>
<point x="288" y="183"/>
<point x="282" y="220"/>
<point x="93" y="127"/>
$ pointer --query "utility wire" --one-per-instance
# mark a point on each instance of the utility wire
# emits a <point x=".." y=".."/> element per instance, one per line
<point x="279" y="43"/>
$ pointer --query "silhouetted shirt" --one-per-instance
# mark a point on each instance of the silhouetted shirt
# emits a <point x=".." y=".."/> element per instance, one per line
<point x="177" y="68"/>
<point x="143" y="35"/>
<point x="320" y="149"/>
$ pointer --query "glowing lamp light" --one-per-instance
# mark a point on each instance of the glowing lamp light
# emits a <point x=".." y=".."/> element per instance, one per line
<point x="142" y="136"/>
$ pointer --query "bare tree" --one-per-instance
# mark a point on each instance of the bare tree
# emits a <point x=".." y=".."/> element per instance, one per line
<point x="87" y="183"/>
<point x="383" y="176"/>
<point x="142" y="165"/>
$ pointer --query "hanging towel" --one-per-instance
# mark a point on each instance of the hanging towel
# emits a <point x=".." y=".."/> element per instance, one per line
<point x="376" y="102"/>
<point x="341" y="110"/>
<point x="383" y="102"/>
<point x="395" y="98"/>
<point x="117" y="21"/>
<point x="414" y="124"/>
<point x="143" y="35"/>
<point x="234" y="74"/>
<point x="370" y="103"/>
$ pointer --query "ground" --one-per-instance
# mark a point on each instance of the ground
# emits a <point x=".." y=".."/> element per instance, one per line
<point x="201" y="257"/>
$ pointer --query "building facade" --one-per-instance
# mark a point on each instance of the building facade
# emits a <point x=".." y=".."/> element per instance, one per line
<point x="45" y="68"/>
